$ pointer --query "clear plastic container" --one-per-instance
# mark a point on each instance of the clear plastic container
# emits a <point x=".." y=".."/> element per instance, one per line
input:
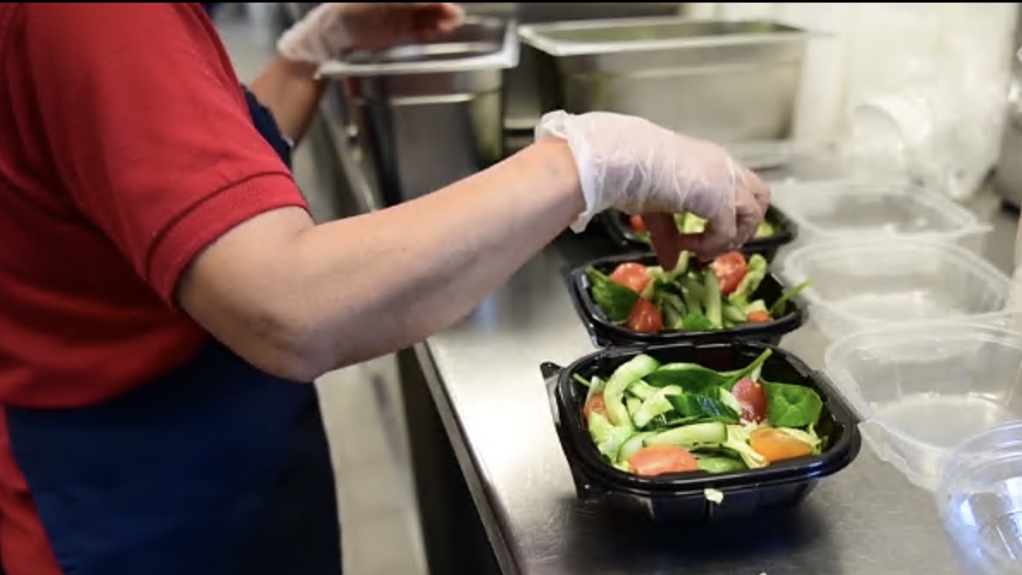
<point x="786" y="162"/>
<point x="869" y="284"/>
<point x="979" y="497"/>
<point x="858" y="210"/>
<point x="921" y="390"/>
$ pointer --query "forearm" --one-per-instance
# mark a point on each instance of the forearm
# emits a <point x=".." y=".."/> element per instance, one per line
<point x="298" y="300"/>
<point x="291" y="92"/>
<point x="414" y="269"/>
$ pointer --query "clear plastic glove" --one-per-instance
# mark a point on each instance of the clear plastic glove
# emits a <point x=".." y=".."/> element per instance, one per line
<point x="333" y="28"/>
<point x="633" y="165"/>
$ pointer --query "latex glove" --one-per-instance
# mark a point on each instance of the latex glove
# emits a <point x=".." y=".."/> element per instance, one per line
<point x="333" y="28"/>
<point x="631" y="164"/>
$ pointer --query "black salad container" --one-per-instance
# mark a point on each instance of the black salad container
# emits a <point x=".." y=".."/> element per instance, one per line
<point x="620" y="231"/>
<point x="682" y="497"/>
<point x="605" y="333"/>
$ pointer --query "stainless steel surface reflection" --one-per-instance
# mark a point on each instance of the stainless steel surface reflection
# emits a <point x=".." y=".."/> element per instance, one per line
<point x="403" y="99"/>
<point x="867" y="520"/>
<point x="722" y="80"/>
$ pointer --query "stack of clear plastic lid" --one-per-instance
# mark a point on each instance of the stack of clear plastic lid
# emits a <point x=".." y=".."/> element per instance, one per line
<point x="851" y="211"/>
<point x="920" y="391"/>
<point x="980" y="500"/>
<point x="871" y="284"/>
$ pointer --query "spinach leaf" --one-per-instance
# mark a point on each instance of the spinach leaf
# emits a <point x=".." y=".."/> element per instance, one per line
<point x="615" y="300"/>
<point x="791" y="405"/>
<point x="690" y="377"/>
<point x="702" y="407"/>
<point x="696" y="321"/>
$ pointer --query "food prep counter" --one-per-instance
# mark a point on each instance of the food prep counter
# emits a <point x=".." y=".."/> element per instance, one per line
<point x="484" y="381"/>
<point x="494" y="491"/>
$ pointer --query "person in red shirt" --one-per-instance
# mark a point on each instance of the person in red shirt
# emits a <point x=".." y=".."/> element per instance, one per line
<point x="162" y="286"/>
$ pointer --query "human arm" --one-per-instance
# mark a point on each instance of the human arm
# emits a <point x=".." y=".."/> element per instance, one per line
<point x="291" y="92"/>
<point x="288" y="85"/>
<point x="325" y="296"/>
<point x="165" y="163"/>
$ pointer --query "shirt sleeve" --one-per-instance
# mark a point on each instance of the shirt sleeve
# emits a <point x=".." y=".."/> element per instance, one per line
<point x="149" y="129"/>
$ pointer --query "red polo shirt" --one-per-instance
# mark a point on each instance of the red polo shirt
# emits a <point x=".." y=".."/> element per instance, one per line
<point x="126" y="148"/>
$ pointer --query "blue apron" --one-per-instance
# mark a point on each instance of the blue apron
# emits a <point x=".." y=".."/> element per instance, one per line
<point x="213" y="469"/>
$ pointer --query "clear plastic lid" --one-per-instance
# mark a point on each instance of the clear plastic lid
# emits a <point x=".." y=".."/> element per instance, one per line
<point x="921" y="390"/>
<point x="863" y="211"/>
<point x="864" y="285"/>
<point x="980" y="500"/>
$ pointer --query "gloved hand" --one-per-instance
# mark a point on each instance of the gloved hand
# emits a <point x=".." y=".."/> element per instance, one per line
<point x="333" y="28"/>
<point x="638" y="167"/>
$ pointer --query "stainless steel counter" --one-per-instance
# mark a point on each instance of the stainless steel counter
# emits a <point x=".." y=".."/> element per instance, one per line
<point x="484" y="377"/>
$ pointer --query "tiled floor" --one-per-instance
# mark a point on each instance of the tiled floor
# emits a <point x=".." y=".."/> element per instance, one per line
<point x="374" y="495"/>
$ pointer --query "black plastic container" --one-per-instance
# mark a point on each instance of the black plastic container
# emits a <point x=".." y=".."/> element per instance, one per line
<point x="682" y="497"/>
<point x="785" y="231"/>
<point x="605" y="333"/>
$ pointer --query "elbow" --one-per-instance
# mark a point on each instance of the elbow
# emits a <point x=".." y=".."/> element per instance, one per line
<point x="281" y="343"/>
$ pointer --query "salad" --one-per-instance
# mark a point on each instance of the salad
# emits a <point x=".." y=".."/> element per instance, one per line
<point x="689" y="297"/>
<point x="651" y="419"/>
<point x="689" y="223"/>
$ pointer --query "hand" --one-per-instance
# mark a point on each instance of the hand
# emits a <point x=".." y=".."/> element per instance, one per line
<point x="333" y="28"/>
<point x="638" y="167"/>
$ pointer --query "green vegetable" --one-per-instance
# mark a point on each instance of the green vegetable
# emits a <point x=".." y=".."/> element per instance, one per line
<point x="719" y="464"/>
<point x="613" y="395"/>
<point x="657" y="404"/>
<point x="633" y="445"/>
<point x="754" y="276"/>
<point x="758" y="305"/>
<point x="596" y="386"/>
<point x="608" y="438"/>
<point x="692" y="407"/>
<point x="680" y="267"/>
<point x="615" y="300"/>
<point x="694" y="378"/>
<point x="791" y="405"/>
<point x="782" y="302"/>
<point x="703" y="406"/>
<point x="738" y="442"/>
<point x="633" y="405"/>
<point x="734" y="315"/>
<point x="689" y="223"/>
<point x="711" y="300"/>
<point x="690" y="436"/>
<point x="808" y="436"/>
<point x="695" y="321"/>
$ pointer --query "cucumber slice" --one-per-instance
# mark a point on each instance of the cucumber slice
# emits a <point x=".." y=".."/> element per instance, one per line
<point x="691" y="436"/>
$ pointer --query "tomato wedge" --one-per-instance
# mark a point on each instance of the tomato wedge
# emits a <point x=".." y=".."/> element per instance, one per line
<point x="660" y="459"/>
<point x="759" y="317"/>
<point x="645" y="318"/>
<point x="775" y="445"/>
<point x="631" y="275"/>
<point x="638" y="226"/>
<point x="730" y="269"/>
<point x="753" y="399"/>
<point x="595" y="404"/>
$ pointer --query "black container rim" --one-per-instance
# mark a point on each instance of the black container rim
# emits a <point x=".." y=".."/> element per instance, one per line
<point x="837" y="456"/>
<point x="786" y="231"/>
<point x="601" y="329"/>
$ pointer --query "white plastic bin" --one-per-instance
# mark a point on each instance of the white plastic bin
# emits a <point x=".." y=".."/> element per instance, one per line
<point x="846" y="211"/>
<point x="870" y="284"/>
<point x="922" y="390"/>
